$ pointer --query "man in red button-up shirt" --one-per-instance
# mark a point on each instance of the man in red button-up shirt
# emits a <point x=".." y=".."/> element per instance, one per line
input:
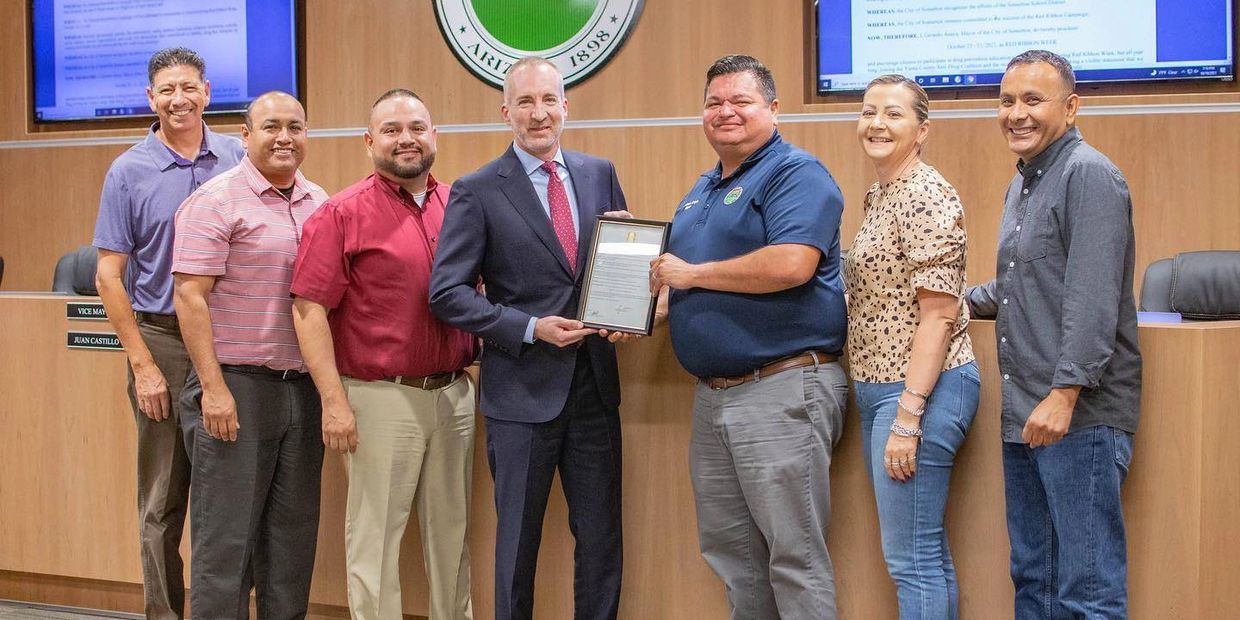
<point x="395" y="399"/>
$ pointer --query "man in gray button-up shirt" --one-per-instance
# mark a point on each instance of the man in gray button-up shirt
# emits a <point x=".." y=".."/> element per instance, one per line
<point x="1067" y="329"/>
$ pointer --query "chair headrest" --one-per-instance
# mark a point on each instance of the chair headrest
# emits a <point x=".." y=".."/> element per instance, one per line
<point x="1206" y="285"/>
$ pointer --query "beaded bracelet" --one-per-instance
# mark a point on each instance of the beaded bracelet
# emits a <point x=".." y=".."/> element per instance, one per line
<point x="905" y="432"/>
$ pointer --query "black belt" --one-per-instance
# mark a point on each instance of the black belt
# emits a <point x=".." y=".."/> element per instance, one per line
<point x="283" y="375"/>
<point x="166" y="321"/>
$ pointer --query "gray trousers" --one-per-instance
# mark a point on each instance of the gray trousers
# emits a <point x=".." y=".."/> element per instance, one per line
<point x="254" y="502"/>
<point x="163" y="479"/>
<point x="759" y="458"/>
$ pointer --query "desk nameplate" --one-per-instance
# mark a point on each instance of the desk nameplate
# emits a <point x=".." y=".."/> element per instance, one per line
<point x="85" y="311"/>
<point x="103" y="341"/>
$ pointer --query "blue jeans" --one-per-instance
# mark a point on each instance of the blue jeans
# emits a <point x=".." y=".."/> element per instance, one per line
<point x="910" y="514"/>
<point x="1069" y="552"/>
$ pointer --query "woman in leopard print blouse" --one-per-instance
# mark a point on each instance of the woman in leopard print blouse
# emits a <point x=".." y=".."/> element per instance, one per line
<point x="909" y="353"/>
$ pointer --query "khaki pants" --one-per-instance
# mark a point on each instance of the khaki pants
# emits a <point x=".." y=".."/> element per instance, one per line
<point x="415" y="447"/>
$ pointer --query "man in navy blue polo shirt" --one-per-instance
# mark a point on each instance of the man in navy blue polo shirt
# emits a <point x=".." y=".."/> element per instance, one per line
<point x="752" y="287"/>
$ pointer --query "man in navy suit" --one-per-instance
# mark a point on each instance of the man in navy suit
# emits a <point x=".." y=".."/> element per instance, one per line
<point x="550" y="391"/>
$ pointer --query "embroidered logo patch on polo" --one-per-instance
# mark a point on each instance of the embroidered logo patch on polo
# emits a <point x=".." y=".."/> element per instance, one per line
<point x="579" y="36"/>
<point x="733" y="195"/>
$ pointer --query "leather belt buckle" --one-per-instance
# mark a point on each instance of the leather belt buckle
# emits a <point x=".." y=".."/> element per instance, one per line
<point x="428" y="383"/>
<point x="808" y="358"/>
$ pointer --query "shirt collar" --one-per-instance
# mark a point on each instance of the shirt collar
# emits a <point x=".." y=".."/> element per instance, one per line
<point x="1047" y="158"/>
<point x="260" y="185"/>
<point x="402" y="194"/>
<point x="165" y="156"/>
<point x="531" y="163"/>
<point x="716" y="173"/>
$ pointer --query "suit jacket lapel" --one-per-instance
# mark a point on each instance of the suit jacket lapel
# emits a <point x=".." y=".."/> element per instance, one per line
<point x="586" y="188"/>
<point x="520" y="192"/>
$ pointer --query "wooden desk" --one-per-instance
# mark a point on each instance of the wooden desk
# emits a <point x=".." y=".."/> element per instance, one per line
<point x="68" y="524"/>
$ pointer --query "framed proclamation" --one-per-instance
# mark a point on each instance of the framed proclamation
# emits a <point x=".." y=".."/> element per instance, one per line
<point x="616" y="292"/>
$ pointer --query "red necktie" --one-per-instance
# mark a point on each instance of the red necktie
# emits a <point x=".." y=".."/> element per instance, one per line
<point x="561" y="216"/>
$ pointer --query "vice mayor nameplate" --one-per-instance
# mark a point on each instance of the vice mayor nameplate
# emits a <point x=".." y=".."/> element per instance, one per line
<point x="85" y="311"/>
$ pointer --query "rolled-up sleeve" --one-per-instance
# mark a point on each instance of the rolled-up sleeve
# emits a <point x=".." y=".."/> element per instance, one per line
<point x="932" y="237"/>
<point x="1096" y="223"/>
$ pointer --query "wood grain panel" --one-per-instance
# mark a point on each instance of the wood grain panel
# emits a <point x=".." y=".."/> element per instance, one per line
<point x="1182" y="183"/>
<point x="1220" y="467"/>
<point x="67" y="497"/>
<point x="360" y="48"/>
<point x="1167" y="453"/>
<point x="67" y="492"/>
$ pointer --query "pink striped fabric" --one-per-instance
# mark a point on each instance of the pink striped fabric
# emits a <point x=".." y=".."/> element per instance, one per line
<point x="241" y="229"/>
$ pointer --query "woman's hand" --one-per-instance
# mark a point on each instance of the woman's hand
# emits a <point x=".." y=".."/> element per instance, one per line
<point x="900" y="457"/>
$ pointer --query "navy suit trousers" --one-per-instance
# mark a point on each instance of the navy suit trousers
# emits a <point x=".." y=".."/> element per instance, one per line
<point x="583" y="441"/>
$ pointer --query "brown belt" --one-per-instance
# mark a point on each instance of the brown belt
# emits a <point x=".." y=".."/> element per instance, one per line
<point x="166" y="321"/>
<point x="429" y="382"/>
<point x="809" y="358"/>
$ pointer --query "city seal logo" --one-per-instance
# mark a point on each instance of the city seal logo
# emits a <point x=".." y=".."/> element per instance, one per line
<point x="733" y="195"/>
<point x="579" y="36"/>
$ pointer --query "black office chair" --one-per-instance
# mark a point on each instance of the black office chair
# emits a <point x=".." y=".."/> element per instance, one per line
<point x="75" y="272"/>
<point x="1" y="270"/>
<point x="1199" y="285"/>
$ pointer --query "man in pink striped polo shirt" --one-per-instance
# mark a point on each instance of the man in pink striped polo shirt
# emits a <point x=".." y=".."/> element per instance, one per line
<point x="251" y="413"/>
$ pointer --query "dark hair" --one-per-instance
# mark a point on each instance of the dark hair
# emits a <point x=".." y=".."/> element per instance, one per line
<point x="921" y="101"/>
<point x="1061" y="65"/>
<point x="740" y="63"/>
<point x="393" y="94"/>
<point x="172" y="57"/>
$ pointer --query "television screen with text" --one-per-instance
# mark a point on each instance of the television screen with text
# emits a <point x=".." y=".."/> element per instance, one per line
<point x="965" y="43"/>
<point x="89" y="57"/>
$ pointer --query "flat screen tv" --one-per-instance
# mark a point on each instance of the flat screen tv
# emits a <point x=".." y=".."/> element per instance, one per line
<point x="967" y="43"/>
<point x="89" y="57"/>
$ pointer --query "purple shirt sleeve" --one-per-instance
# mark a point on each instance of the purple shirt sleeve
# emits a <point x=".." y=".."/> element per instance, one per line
<point x="112" y="231"/>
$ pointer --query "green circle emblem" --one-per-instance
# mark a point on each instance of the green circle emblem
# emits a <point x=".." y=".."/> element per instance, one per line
<point x="579" y="36"/>
<point x="733" y="195"/>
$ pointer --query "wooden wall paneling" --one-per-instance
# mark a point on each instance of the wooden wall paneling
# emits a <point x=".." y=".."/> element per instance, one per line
<point x="14" y="97"/>
<point x="1181" y="171"/>
<point x="358" y="49"/>
<point x="68" y="502"/>
<point x="1166" y="455"/>
<point x="658" y="73"/>
<point x="71" y="592"/>
<point x="47" y="207"/>
<point x="67" y="494"/>
<point x="1183" y="194"/>
<point x="1220" y="467"/>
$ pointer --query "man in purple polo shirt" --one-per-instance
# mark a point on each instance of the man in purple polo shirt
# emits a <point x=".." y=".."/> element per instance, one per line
<point x="133" y="234"/>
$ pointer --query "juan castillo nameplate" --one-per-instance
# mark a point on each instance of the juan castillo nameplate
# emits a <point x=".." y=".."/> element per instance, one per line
<point x="94" y="340"/>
